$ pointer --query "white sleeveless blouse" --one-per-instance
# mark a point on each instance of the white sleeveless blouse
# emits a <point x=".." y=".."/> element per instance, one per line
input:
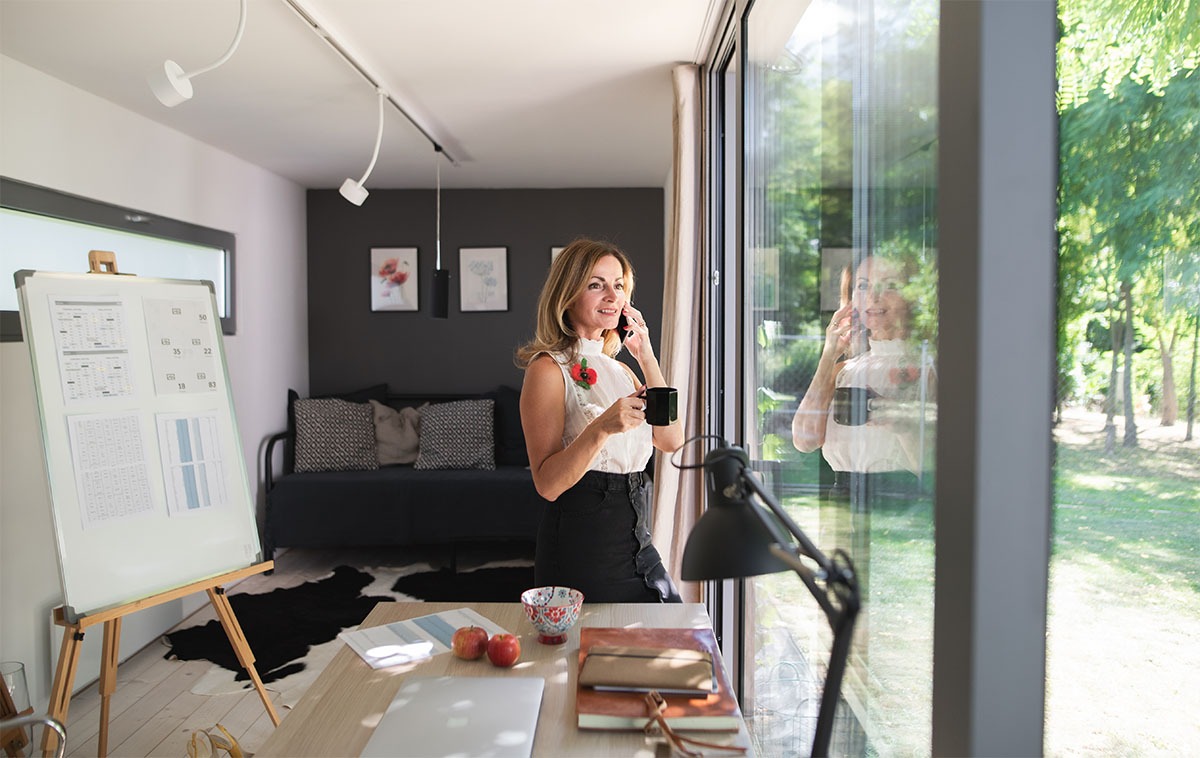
<point x="623" y="453"/>
<point x="893" y="371"/>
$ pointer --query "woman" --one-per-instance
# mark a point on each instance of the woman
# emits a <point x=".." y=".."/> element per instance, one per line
<point x="866" y="408"/>
<point x="584" y="418"/>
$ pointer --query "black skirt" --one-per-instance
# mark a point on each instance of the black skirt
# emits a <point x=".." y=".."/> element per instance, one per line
<point x="596" y="538"/>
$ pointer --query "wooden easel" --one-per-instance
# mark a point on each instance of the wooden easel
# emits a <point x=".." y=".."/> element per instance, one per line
<point x="102" y="262"/>
<point x="169" y="571"/>
<point x="68" y="657"/>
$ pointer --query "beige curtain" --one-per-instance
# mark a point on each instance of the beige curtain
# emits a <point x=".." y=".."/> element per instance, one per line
<point x="678" y="493"/>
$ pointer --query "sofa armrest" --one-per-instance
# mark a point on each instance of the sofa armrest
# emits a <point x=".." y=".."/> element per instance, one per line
<point x="268" y="463"/>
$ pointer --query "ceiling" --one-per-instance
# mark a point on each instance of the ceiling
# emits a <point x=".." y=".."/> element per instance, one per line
<point x="519" y="93"/>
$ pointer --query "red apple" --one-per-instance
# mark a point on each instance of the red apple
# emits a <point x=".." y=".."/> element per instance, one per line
<point x="503" y="650"/>
<point x="469" y="642"/>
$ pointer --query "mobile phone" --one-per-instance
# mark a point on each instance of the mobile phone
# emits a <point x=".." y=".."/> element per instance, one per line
<point x="622" y="333"/>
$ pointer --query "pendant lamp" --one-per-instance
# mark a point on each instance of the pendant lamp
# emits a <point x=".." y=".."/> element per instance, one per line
<point x="441" y="276"/>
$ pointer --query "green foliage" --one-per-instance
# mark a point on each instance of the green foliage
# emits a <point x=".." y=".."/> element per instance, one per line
<point x="1103" y="43"/>
<point x="1128" y="198"/>
<point x="787" y="366"/>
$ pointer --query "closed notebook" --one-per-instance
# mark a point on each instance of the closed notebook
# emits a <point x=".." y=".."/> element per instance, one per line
<point x="608" y="709"/>
<point x="641" y="669"/>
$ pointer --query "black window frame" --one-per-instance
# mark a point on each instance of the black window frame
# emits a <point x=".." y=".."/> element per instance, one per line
<point x="43" y="201"/>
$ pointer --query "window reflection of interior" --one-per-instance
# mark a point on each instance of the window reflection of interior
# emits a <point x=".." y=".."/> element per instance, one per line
<point x="43" y="243"/>
<point x="841" y="125"/>
<point x="43" y="229"/>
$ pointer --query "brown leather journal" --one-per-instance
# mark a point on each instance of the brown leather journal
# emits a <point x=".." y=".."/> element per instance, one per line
<point x="641" y="669"/>
<point x="595" y="708"/>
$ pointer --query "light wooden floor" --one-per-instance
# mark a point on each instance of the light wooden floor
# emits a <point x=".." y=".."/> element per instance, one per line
<point x="153" y="711"/>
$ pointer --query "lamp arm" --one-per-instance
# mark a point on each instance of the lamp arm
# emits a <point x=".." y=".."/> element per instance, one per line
<point x="237" y="37"/>
<point x="838" y="575"/>
<point x="807" y="575"/>
<point x="840" y="583"/>
<point x="806" y="546"/>
<point x="378" y="140"/>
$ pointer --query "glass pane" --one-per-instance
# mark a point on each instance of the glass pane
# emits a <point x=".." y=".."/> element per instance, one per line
<point x="43" y="243"/>
<point x="1123" y="665"/>
<point x="840" y="202"/>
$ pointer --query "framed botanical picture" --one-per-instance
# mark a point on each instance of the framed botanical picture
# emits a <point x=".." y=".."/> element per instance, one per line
<point x="394" y="279"/>
<point x="554" y="251"/>
<point x="483" y="278"/>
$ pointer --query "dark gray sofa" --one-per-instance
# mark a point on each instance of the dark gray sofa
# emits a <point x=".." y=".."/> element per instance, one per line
<point x="399" y="505"/>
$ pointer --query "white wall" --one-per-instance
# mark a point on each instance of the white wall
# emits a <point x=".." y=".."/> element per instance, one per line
<point x="60" y="137"/>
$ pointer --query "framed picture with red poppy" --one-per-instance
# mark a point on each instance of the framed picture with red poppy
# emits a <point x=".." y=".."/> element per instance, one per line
<point x="394" y="279"/>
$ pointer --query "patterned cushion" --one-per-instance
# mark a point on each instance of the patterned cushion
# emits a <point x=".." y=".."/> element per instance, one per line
<point x="374" y="392"/>
<point x="457" y="435"/>
<point x="334" y="435"/>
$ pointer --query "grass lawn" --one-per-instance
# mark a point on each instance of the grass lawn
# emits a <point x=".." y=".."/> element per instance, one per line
<point x="1123" y="663"/>
<point x="1123" y="657"/>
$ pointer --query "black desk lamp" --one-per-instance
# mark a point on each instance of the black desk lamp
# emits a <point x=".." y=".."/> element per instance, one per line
<point x="737" y="538"/>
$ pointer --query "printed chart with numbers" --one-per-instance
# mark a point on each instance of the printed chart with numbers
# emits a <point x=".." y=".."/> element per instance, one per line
<point x="93" y="347"/>
<point x="183" y="346"/>
<point x="192" y="462"/>
<point x="111" y="472"/>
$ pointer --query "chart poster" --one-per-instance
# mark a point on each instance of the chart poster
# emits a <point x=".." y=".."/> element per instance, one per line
<point x="192" y="462"/>
<point x="110" y="470"/>
<point x="92" y="343"/>
<point x="182" y="342"/>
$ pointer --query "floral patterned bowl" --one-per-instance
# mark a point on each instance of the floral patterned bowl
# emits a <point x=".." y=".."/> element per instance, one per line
<point x="552" y="611"/>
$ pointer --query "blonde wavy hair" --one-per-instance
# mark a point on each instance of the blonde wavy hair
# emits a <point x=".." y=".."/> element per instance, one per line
<point x="569" y="274"/>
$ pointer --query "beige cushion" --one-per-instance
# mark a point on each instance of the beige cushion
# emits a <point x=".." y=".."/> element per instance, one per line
<point x="397" y="433"/>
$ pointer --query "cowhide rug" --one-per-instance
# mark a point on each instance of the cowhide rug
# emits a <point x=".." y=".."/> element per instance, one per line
<point x="292" y="631"/>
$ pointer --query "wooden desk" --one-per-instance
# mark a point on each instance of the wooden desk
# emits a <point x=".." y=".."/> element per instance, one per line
<point x="340" y="710"/>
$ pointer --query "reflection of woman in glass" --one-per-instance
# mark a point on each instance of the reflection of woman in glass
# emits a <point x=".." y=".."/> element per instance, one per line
<point x="865" y="407"/>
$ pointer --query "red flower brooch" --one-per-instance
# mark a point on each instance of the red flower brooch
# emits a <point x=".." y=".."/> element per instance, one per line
<point x="903" y="375"/>
<point x="585" y="377"/>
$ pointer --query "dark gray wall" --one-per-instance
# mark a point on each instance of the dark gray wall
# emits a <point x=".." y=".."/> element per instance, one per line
<point x="352" y="347"/>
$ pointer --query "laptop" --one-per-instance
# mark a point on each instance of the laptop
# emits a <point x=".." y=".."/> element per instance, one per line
<point x="460" y="716"/>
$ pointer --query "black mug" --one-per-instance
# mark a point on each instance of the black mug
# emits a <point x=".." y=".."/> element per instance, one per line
<point x="852" y="405"/>
<point x="662" y="406"/>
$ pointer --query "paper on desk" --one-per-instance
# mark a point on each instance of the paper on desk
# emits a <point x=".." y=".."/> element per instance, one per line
<point x="413" y="639"/>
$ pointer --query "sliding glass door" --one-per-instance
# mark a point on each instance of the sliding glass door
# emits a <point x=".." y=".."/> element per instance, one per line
<point x="836" y="391"/>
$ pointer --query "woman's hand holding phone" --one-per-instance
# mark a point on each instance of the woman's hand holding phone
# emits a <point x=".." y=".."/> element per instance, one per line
<point x="633" y="332"/>
<point x="622" y="327"/>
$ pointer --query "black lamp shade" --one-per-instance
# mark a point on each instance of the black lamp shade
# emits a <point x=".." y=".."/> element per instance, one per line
<point x="441" y="293"/>
<point x="729" y="540"/>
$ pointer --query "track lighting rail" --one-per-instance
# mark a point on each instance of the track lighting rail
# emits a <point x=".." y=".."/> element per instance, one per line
<point x="345" y="54"/>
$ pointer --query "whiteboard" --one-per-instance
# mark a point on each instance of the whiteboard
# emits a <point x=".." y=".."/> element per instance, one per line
<point x="148" y="484"/>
